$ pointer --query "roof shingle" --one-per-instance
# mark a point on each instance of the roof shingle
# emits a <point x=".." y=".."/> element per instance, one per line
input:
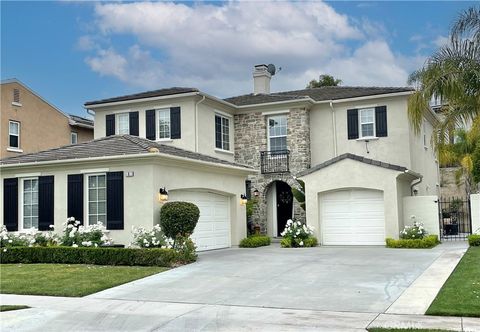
<point x="117" y="145"/>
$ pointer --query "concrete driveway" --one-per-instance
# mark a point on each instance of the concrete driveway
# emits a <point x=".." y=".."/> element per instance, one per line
<point x="356" y="279"/>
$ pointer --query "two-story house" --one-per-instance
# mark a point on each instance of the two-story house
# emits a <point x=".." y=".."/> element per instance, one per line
<point x="29" y="123"/>
<point x="353" y="147"/>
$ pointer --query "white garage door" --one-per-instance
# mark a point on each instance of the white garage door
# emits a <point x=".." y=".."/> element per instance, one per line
<point x="213" y="228"/>
<point x="353" y="217"/>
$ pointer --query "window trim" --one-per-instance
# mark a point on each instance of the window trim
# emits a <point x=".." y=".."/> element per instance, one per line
<point x="157" y="124"/>
<point x="21" y="227"/>
<point x="10" y="134"/>
<point x="360" y="132"/>
<point x="229" y="119"/>
<point x="268" y="131"/>
<point x="73" y="134"/>
<point x="86" y="194"/>
<point x="117" y="123"/>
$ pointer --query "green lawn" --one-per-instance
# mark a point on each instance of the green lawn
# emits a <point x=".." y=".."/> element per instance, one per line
<point x="8" y="307"/>
<point x="66" y="279"/>
<point x="460" y="295"/>
<point x="380" y="329"/>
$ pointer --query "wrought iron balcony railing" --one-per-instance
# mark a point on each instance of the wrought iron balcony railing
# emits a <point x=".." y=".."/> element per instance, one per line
<point x="274" y="161"/>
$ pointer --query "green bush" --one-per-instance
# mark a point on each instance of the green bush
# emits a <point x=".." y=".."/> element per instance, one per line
<point x="255" y="241"/>
<point x="308" y="242"/>
<point x="474" y="240"/>
<point x="179" y="218"/>
<point x="429" y="241"/>
<point x="186" y="250"/>
<point x="99" y="256"/>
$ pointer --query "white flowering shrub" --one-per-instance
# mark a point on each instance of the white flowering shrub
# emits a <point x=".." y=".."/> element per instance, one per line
<point x="77" y="235"/>
<point x="28" y="238"/>
<point x="154" y="238"/>
<point x="297" y="234"/>
<point x="414" y="231"/>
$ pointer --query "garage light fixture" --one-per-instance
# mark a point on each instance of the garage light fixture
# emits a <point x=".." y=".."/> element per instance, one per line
<point x="243" y="199"/>
<point x="256" y="193"/>
<point x="162" y="195"/>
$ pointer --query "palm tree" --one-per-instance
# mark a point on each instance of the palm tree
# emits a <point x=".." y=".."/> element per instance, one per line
<point x="463" y="153"/>
<point x="453" y="74"/>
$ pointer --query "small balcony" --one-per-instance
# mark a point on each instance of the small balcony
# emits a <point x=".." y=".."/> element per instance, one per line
<point x="274" y="161"/>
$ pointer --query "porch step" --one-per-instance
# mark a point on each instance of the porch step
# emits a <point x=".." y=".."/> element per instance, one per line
<point x="276" y="239"/>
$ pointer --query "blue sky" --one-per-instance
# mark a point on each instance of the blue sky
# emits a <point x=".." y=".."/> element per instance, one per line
<point x="72" y="52"/>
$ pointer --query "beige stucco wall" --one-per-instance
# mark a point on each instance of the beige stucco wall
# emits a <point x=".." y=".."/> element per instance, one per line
<point x="347" y="174"/>
<point x="204" y="116"/>
<point x="425" y="209"/>
<point x="401" y="147"/>
<point x="41" y="125"/>
<point x="140" y="191"/>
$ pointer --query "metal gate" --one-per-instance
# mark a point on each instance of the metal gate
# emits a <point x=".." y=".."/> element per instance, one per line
<point x="455" y="218"/>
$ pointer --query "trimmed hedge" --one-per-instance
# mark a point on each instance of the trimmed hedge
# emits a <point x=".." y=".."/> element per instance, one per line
<point x="474" y="240"/>
<point x="179" y="218"/>
<point x="98" y="256"/>
<point x="307" y="243"/>
<point x="429" y="241"/>
<point x="255" y="241"/>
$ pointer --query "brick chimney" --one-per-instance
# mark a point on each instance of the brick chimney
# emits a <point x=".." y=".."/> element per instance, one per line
<point x="261" y="80"/>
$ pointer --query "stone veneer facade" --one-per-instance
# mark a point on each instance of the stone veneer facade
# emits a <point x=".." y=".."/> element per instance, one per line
<point x="251" y="139"/>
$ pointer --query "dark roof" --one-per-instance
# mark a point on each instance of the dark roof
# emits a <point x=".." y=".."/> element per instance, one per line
<point x="357" y="158"/>
<point x="78" y="120"/>
<point x="147" y="94"/>
<point x="317" y="94"/>
<point x="117" y="145"/>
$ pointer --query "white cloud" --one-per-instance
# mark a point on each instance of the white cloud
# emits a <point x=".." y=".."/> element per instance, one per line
<point x="440" y="41"/>
<point x="214" y="47"/>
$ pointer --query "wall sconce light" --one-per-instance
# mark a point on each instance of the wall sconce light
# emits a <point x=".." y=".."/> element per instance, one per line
<point x="243" y="199"/>
<point x="162" y="195"/>
<point x="415" y="192"/>
<point x="256" y="193"/>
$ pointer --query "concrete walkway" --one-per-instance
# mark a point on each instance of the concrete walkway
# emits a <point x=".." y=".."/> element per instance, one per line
<point x="162" y="303"/>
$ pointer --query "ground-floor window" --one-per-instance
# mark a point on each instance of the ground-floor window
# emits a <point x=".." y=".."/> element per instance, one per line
<point x="30" y="203"/>
<point x="97" y="199"/>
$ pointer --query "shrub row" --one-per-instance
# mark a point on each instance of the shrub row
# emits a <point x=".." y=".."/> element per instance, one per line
<point x="255" y="241"/>
<point x="429" y="241"/>
<point x="308" y="242"/>
<point x="98" y="256"/>
<point x="474" y="240"/>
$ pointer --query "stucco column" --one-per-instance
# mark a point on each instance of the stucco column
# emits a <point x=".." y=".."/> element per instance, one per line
<point x="475" y="210"/>
<point x="311" y="200"/>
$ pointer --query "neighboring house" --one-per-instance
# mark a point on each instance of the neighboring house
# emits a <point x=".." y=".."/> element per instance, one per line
<point x="30" y="124"/>
<point x="353" y="147"/>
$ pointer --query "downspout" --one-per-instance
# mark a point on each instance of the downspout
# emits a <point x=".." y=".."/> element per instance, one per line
<point x="334" y="124"/>
<point x="196" y="122"/>
<point x="414" y="184"/>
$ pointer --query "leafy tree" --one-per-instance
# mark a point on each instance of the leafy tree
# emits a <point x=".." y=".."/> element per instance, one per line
<point x="324" y="80"/>
<point x="452" y="73"/>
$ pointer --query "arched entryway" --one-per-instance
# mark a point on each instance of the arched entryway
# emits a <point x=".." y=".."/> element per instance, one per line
<point x="279" y="207"/>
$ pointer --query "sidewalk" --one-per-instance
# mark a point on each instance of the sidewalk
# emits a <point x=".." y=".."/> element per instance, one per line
<point x="89" y="314"/>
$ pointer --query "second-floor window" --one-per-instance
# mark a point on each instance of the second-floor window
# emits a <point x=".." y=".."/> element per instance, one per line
<point x="222" y="132"/>
<point x="367" y="122"/>
<point x="123" y="124"/>
<point x="14" y="134"/>
<point x="73" y="138"/>
<point x="277" y="133"/>
<point x="163" y="130"/>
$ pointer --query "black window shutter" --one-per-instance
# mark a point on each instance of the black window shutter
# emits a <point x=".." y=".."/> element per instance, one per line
<point x="175" y="123"/>
<point x="248" y="189"/>
<point x="352" y="123"/>
<point x="381" y="121"/>
<point x="115" y="200"/>
<point x="75" y="197"/>
<point x="45" y="202"/>
<point x="133" y="123"/>
<point x="150" y="124"/>
<point x="110" y="124"/>
<point x="10" y="204"/>
<point x="218" y="132"/>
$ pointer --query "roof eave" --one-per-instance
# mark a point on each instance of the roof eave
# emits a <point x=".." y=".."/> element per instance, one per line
<point x="131" y="101"/>
<point x="383" y="95"/>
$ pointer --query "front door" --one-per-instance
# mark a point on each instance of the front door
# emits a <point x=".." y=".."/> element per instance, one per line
<point x="284" y="205"/>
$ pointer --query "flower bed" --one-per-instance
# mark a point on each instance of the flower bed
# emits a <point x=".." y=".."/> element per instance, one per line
<point x="255" y="241"/>
<point x="429" y="241"/>
<point x="297" y="235"/>
<point x="98" y="256"/>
